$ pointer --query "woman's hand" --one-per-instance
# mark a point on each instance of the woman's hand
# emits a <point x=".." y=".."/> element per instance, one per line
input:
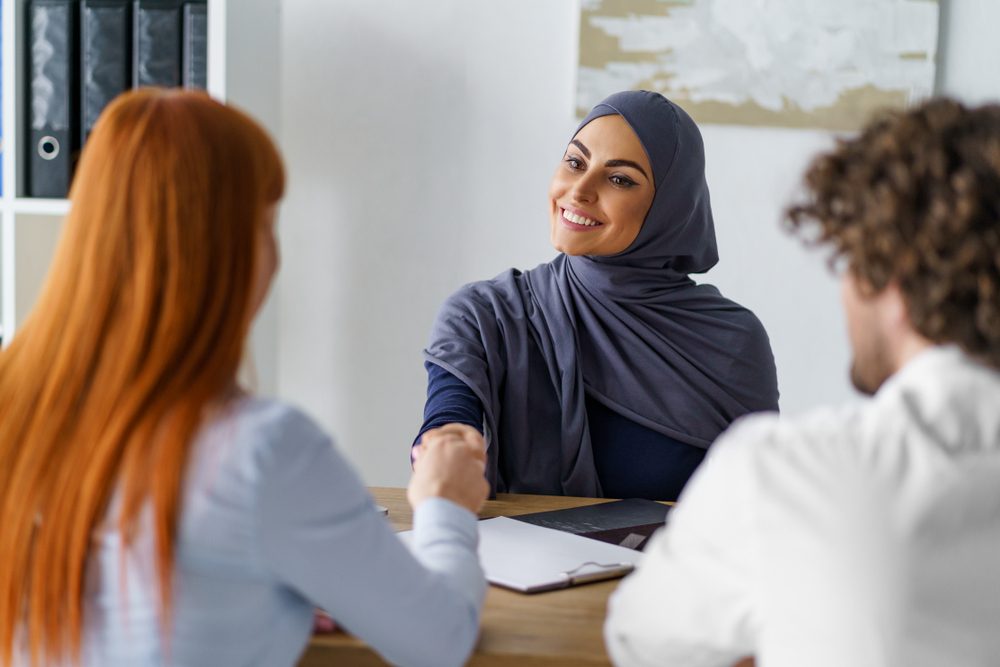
<point x="467" y="431"/>
<point x="322" y="623"/>
<point x="450" y="463"/>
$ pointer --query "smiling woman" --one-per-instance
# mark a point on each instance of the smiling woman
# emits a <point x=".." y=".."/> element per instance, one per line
<point x="607" y="371"/>
<point x="601" y="191"/>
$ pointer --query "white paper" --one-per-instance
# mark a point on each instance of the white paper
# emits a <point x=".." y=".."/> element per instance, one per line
<point x="531" y="558"/>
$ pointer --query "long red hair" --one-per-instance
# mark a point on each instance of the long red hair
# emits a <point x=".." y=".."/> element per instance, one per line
<point x="139" y="328"/>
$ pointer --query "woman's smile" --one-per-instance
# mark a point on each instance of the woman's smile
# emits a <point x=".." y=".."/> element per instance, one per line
<point x="577" y="221"/>
<point x="601" y="191"/>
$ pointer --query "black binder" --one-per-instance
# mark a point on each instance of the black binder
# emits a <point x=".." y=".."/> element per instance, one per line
<point x="156" y="55"/>
<point x="627" y="523"/>
<point x="105" y="54"/>
<point x="53" y="132"/>
<point x="195" y="72"/>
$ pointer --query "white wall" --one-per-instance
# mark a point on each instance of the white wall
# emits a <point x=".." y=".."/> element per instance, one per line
<point x="247" y="71"/>
<point x="970" y="50"/>
<point x="420" y="138"/>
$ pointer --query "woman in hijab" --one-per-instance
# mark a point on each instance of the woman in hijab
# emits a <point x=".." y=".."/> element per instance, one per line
<point x="607" y="371"/>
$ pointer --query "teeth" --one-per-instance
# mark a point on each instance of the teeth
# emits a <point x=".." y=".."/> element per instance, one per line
<point x="579" y="219"/>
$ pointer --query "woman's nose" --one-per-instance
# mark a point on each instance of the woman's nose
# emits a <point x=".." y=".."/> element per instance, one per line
<point x="584" y="191"/>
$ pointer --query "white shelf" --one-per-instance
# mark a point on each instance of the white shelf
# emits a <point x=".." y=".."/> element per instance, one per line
<point x="38" y="206"/>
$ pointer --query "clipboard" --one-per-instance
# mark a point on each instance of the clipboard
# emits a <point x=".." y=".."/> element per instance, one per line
<point x="531" y="559"/>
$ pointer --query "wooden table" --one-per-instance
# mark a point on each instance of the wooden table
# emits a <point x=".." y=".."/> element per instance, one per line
<point x="554" y="629"/>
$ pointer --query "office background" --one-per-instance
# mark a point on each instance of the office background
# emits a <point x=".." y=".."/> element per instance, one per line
<point x="420" y="138"/>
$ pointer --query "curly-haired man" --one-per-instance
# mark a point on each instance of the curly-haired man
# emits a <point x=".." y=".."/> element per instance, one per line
<point x="869" y="534"/>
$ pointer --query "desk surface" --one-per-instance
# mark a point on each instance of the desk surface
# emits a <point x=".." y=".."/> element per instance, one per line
<point x="555" y="629"/>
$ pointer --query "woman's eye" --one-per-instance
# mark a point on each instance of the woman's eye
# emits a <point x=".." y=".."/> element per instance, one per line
<point x="622" y="181"/>
<point x="573" y="163"/>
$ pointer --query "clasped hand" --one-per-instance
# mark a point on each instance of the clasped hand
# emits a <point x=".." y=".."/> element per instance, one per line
<point x="450" y="463"/>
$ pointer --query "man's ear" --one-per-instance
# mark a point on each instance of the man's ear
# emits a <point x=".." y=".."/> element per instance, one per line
<point x="864" y="288"/>
<point x="895" y="312"/>
<point x="903" y="338"/>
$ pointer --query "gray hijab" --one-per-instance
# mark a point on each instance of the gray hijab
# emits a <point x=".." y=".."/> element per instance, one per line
<point x="632" y="330"/>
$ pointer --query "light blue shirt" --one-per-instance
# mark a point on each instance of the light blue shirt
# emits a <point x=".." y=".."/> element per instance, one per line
<point x="274" y="522"/>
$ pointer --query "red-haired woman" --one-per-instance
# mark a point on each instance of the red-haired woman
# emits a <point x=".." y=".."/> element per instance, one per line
<point x="154" y="513"/>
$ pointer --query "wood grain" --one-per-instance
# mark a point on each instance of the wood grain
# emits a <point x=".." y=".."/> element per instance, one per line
<point x="553" y="629"/>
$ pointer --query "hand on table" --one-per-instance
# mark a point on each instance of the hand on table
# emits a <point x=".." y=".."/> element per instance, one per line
<point x="450" y="463"/>
<point x="322" y="623"/>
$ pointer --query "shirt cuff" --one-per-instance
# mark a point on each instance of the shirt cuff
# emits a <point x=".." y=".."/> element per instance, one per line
<point x="439" y="518"/>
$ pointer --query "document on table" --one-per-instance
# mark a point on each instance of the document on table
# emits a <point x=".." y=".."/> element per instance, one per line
<point x="628" y="523"/>
<point x="531" y="559"/>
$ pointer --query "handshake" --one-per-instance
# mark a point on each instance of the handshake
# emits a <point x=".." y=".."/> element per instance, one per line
<point x="450" y="463"/>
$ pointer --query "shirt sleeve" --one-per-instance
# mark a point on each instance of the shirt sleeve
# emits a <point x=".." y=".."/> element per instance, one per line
<point x="449" y="401"/>
<point x="320" y="534"/>
<point x="690" y="601"/>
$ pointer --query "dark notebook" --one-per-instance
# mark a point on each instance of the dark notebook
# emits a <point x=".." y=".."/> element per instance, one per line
<point x="194" y="73"/>
<point x="106" y="56"/>
<point x="52" y="67"/>
<point x="627" y="523"/>
<point x="156" y="43"/>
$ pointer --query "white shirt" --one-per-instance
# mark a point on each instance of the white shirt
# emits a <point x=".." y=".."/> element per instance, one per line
<point x="864" y="536"/>
<point x="273" y="522"/>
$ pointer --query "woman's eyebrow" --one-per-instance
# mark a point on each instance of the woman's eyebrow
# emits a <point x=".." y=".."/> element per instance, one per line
<point x="626" y="163"/>
<point x="610" y="163"/>
<point x="583" y="149"/>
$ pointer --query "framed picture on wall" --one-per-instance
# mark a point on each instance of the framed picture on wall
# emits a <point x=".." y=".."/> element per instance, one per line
<point x="787" y="63"/>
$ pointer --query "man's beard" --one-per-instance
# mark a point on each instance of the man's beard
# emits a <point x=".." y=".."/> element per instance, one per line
<point x="861" y="383"/>
<point x="871" y="368"/>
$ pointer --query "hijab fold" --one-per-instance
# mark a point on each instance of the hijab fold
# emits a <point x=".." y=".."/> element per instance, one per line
<point x="632" y="330"/>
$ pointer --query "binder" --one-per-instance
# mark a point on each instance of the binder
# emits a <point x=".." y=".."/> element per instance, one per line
<point x="195" y="57"/>
<point x="53" y="131"/>
<point x="105" y="55"/>
<point x="156" y="50"/>
<point x="628" y="523"/>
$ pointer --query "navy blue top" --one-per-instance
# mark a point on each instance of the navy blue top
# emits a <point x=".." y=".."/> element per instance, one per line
<point x="632" y="461"/>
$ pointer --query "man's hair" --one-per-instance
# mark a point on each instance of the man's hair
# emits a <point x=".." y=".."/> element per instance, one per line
<point x="915" y="200"/>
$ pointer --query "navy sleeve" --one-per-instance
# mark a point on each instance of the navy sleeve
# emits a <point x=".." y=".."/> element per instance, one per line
<point x="449" y="401"/>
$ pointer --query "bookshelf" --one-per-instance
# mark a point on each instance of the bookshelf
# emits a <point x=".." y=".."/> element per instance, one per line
<point x="243" y="67"/>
